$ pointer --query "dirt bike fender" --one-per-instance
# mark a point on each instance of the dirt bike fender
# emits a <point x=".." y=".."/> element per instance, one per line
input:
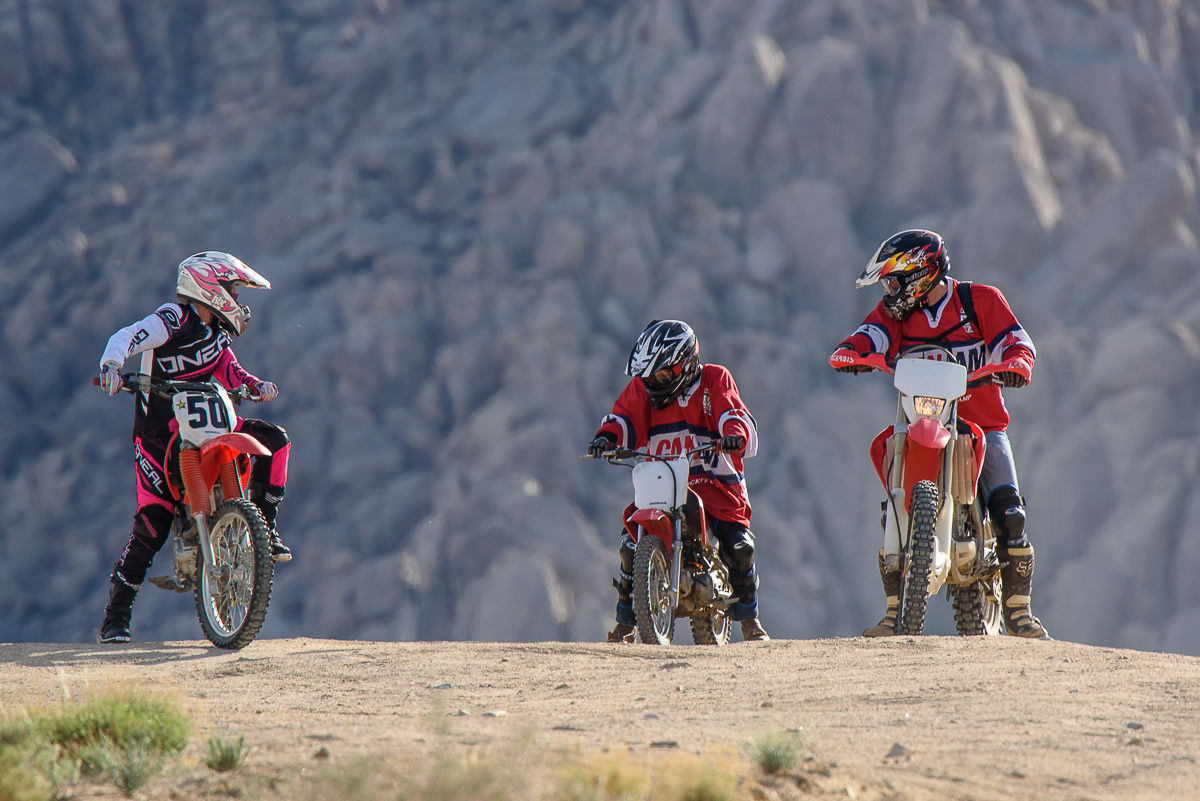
<point x="928" y="433"/>
<point x="653" y="522"/>
<point x="227" y="446"/>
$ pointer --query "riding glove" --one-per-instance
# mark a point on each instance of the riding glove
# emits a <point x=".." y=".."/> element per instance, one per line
<point x="266" y="391"/>
<point x="1011" y="379"/>
<point x="600" y="445"/>
<point x="732" y="443"/>
<point x="110" y="377"/>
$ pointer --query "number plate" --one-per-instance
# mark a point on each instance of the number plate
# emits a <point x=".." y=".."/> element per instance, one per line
<point x="203" y="415"/>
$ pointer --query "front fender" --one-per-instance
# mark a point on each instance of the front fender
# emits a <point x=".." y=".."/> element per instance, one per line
<point x="654" y="522"/>
<point x="227" y="448"/>
<point x="929" y="433"/>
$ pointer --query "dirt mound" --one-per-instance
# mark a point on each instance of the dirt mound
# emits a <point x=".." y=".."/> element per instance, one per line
<point x="906" y="718"/>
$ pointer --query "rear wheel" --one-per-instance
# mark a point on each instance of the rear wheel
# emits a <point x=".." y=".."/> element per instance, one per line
<point x="232" y="594"/>
<point x="711" y="629"/>
<point x="977" y="608"/>
<point x="651" y="606"/>
<point x="921" y="549"/>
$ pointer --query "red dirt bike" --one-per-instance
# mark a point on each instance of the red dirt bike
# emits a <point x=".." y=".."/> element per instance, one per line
<point x="677" y="569"/>
<point x="936" y="528"/>
<point x="222" y="548"/>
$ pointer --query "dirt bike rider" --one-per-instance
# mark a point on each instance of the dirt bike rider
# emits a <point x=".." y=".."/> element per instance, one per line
<point x="674" y="402"/>
<point x="923" y="305"/>
<point x="186" y="340"/>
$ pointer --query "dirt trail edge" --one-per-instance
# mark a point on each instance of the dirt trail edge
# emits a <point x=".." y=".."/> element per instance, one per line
<point x="931" y="718"/>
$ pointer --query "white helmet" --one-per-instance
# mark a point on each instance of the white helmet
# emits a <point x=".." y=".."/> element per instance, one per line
<point x="211" y="279"/>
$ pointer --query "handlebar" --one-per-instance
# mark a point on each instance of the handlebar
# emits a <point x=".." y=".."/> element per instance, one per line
<point x="619" y="454"/>
<point x="988" y="374"/>
<point x="165" y="387"/>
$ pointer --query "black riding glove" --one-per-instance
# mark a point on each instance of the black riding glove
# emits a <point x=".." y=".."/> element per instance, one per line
<point x="1011" y="379"/>
<point x="732" y="443"/>
<point x="603" y="443"/>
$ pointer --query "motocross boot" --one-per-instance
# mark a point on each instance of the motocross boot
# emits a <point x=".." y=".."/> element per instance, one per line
<point x="1016" y="579"/>
<point x="119" y="611"/>
<point x="622" y="632"/>
<point x="753" y="631"/>
<point x="886" y="627"/>
<point x="268" y="503"/>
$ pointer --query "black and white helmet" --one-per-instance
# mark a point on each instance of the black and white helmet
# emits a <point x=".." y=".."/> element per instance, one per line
<point x="667" y="358"/>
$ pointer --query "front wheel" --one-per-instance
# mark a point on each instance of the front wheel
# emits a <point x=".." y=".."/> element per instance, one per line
<point x="651" y="605"/>
<point x="232" y="594"/>
<point x="922" y="546"/>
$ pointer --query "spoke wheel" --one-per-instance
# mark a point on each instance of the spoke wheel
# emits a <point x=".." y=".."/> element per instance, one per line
<point x="232" y="594"/>
<point x="712" y="629"/>
<point x="655" y="617"/>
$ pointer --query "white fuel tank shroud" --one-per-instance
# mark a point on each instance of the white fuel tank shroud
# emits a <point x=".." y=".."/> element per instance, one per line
<point x="660" y="485"/>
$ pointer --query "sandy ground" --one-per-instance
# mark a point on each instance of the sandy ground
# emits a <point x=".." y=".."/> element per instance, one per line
<point x="928" y="718"/>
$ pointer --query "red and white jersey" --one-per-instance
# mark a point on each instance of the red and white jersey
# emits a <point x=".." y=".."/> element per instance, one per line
<point x="992" y="337"/>
<point x="708" y="410"/>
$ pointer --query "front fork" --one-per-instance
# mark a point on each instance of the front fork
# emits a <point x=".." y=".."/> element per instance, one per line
<point x="676" y="550"/>
<point x="897" y="527"/>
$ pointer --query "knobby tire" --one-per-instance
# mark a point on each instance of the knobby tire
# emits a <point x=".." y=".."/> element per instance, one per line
<point x="655" y="618"/>
<point x="921" y="550"/>
<point x="249" y="563"/>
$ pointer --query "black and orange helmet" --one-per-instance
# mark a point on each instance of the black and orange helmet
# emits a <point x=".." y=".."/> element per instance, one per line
<point x="909" y="264"/>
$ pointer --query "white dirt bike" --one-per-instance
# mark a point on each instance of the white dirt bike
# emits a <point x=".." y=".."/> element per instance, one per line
<point x="936" y="528"/>
<point x="677" y="568"/>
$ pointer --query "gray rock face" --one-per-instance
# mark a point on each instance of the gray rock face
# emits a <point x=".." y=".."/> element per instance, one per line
<point x="469" y="211"/>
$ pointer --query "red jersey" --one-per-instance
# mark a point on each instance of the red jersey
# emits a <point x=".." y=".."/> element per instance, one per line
<point x="992" y="336"/>
<point x="708" y="410"/>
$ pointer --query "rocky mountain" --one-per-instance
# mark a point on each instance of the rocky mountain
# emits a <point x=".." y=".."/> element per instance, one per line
<point x="469" y="210"/>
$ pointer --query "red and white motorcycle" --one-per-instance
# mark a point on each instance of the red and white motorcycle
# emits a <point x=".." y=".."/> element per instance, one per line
<point x="222" y="549"/>
<point x="677" y="568"/>
<point x="936" y="528"/>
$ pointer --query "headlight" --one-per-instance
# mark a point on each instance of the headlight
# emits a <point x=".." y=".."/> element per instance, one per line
<point x="928" y="407"/>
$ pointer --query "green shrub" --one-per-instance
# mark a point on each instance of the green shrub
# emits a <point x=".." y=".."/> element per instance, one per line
<point x="122" y="720"/>
<point x="123" y="736"/>
<point x="777" y="752"/>
<point x="224" y="755"/>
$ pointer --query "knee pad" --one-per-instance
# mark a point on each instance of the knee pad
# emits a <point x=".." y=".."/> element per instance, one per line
<point x="273" y="436"/>
<point x="737" y="545"/>
<point x="152" y="524"/>
<point x="151" y="527"/>
<point x="1007" y="510"/>
<point x="626" y="550"/>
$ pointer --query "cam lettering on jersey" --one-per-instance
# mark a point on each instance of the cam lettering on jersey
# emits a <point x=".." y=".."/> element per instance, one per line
<point x="971" y="357"/>
<point x="673" y="446"/>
